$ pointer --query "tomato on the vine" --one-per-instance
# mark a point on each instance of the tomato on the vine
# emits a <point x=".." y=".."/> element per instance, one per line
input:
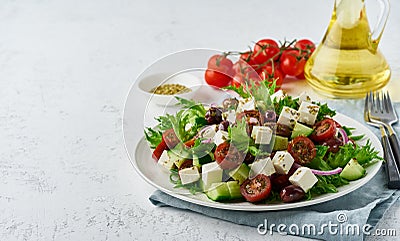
<point x="216" y="78"/>
<point x="292" y="63"/>
<point x="301" y="76"/>
<point x="305" y="45"/>
<point x="256" y="189"/>
<point x="248" y="58"/>
<point x="264" y="50"/>
<point x="271" y="74"/>
<point x="220" y="63"/>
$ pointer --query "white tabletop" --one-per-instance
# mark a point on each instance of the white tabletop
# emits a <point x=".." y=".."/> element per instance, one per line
<point x="65" y="70"/>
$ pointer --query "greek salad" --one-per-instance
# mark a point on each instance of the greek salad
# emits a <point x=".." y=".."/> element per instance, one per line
<point x="258" y="146"/>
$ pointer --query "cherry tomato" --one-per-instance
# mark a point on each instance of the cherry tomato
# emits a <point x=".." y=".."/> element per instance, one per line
<point x="306" y="46"/>
<point x="248" y="58"/>
<point x="186" y="164"/>
<point x="292" y="63"/>
<point x="237" y="80"/>
<point x="271" y="74"/>
<point x="324" y="130"/>
<point x="217" y="79"/>
<point x="264" y="50"/>
<point x="221" y="63"/>
<point x="278" y="67"/>
<point x="301" y="76"/>
<point x="159" y="150"/>
<point x="256" y="189"/>
<point x="246" y="75"/>
<point x="302" y="150"/>
<point x="227" y="156"/>
<point x="190" y="143"/>
<point x="170" y="138"/>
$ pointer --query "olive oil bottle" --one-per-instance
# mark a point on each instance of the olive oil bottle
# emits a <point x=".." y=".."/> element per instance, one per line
<point x="347" y="63"/>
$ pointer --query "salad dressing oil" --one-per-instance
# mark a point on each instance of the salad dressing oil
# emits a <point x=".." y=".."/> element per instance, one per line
<point x="348" y="64"/>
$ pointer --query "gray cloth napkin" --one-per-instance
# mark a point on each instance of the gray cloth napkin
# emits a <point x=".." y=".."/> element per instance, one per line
<point x="362" y="208"/>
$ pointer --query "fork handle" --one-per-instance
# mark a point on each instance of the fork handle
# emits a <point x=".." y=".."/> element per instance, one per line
<point x="394" y="143"/>
<point x="392" y="169"/>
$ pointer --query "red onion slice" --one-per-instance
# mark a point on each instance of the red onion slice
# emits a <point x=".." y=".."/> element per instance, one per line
<point x="320" y="172"/>
<point x="327" y="173"/>
<point x="343" y="133"/>
<point x="207" y="141"/>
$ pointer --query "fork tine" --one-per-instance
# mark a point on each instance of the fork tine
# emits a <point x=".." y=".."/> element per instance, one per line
<point x="390" y="105"/>
<point x="366" y="106"/>
<point x="385" y="103"/>
<point x="375" y="102"/>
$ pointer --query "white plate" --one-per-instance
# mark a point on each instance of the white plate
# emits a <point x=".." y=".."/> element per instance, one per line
<point x="148" y="169"/>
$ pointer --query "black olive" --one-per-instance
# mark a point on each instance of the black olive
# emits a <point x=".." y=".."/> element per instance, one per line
<point x="213" y="116"/>
<point x="292" y="193"/>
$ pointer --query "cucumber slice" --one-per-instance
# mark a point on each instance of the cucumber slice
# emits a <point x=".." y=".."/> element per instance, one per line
<point x="281" y="143"/>
<point x="234" y="189"/>
<point x="178" y="155"/>
<point x="202" y="160"/>
<point x="218" y="191"/>
<point x="240" y="174"/>
<point x="353" y="170"/>
<point x="301" y="130"/>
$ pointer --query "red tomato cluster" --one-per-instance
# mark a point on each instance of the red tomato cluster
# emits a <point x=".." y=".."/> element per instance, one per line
<point x="266" y="61"/>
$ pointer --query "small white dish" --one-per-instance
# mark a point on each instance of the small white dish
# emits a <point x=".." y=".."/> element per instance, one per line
<point x="185" y="67"/>
<point x="189" y="79"/>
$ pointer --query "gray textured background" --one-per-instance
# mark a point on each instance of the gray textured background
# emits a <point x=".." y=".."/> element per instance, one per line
<point x="65" y="69"/>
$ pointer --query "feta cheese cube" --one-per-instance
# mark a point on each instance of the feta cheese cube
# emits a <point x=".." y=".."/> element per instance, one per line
<point x="282" y="161"/>
<point x="165" y="162"/>
<point x="246" y="104"/>
<point x="209" y="132"/>
<point x="304" y="178"/>
<point x="304" y="97"/>
<point x="230" y="116"/>
<point x="262" y="166"/>
<point x="210" y="173"/>
<point x="188" y="126"/>
<point x="262" y="134"/>
<point x="189" y="175"/>
<point x="220" y="137"/>
<point x="278" y="95"/>
<point x="288" y="116"/>
<point x="308" y="113"/>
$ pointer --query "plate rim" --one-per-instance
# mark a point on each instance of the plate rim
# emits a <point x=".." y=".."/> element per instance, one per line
<point x="263" y="207"/>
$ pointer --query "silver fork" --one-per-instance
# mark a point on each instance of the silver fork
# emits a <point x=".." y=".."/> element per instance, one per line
<point x="392" y="169"/>
<point x="385" y="113"/>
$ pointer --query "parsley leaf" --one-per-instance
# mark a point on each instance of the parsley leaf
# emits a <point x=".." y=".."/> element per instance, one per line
<point x="349" y="133"/>
<point x="327" y="184"/>
<point x="363" y="154"/>
<point x="324" y="111"/>
<point x="191" y="105"/>
<point x="286" y="101"/>
<point x="238" y="135"/>
<point x="239" y="90"/>
<point x="153" y="137"/>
